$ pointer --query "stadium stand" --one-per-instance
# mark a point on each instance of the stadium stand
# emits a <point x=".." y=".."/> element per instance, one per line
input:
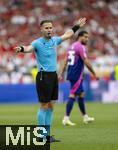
<point x="20" y="23"/>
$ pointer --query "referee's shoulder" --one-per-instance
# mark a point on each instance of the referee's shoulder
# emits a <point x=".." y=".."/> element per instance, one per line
<point x="38" y="39"/>
<point x="54" y="37"/>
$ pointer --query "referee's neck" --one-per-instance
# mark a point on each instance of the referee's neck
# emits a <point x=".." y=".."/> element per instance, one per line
<point x="47" y="38"/>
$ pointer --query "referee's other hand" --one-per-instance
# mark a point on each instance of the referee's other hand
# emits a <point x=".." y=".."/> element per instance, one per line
<point x="17" y="49"/>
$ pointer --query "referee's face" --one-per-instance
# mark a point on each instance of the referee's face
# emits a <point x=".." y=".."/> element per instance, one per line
<point x="47" y="30"/>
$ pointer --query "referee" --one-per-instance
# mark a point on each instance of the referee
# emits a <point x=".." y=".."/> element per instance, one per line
<point x="44" y="49"/>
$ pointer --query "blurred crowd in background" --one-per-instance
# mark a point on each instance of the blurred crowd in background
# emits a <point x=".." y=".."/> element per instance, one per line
<point x="20" y="25"/>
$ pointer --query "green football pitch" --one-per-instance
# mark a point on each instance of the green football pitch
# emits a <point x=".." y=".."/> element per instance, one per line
<point x="99" y="135"/>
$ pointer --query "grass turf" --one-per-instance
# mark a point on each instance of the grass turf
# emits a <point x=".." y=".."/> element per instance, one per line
<point x="100" y="135"/>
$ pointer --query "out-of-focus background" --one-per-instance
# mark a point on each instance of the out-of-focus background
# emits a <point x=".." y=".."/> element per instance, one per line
<point x="20" y="25"/>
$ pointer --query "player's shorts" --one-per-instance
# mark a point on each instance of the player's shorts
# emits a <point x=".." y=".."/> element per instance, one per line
<point x="76" y="88"/>
<point x="47" y="86"/>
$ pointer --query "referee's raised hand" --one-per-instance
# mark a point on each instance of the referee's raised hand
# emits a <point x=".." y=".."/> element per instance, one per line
<point x="81" y="22"/>
<point x="18" y="49"/>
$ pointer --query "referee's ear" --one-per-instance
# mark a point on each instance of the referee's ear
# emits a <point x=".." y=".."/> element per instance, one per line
<point x="41" y="30"/>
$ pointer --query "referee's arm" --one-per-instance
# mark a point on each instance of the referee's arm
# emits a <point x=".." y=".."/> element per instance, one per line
<point x="24" y="49"/>
<point x="68" y="34"/>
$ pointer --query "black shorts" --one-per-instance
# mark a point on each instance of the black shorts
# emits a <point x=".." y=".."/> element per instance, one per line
<point x="47" y="86"/>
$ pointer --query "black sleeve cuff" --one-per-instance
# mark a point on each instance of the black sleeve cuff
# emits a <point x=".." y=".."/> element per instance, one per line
<point x="75" y="28"/>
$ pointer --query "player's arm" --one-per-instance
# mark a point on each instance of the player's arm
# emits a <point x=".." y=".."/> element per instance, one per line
<point x="89" y="66"/>
<point x="68" y="34"/>
<point x="62" y="69"/>
<point x="24" y="49"/>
